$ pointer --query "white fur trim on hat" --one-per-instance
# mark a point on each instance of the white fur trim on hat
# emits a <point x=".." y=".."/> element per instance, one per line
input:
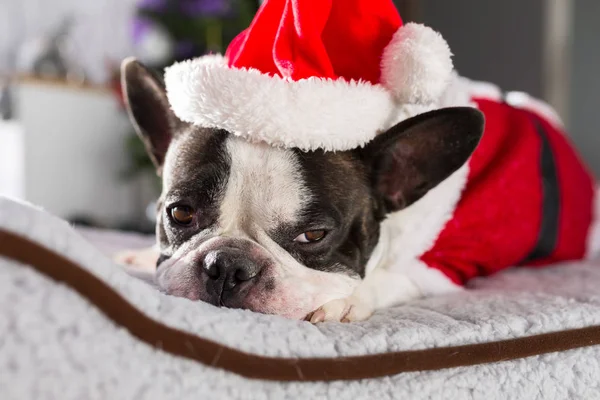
<point x="308" y="114"/>
<point x="416" y="65"/>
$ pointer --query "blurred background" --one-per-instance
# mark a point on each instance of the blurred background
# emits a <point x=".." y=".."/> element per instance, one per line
<point x="66" y="143"/>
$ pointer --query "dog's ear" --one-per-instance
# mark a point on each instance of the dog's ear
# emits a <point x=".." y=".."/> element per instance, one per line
<point x="148" y="109"/>
<point x="417" y="154"/>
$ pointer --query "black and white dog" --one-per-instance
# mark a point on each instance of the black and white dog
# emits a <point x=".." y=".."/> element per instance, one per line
<point x="283" y="231"/>
<point x="302" y="234"/>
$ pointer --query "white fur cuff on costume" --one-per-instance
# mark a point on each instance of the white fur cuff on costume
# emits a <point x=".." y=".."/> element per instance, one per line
<point x="309" y="114"/>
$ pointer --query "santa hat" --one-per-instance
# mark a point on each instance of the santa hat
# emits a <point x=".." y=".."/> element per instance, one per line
<point x="311" y="74"/>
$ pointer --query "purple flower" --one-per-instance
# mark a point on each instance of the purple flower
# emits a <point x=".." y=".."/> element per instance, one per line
<point x="141" y="24"/>
<point x="140" y="27"/>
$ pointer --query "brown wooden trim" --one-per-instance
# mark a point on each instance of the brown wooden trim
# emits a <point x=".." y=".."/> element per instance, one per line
<point x="61" y="84"/>
<point x="184" y="344"/>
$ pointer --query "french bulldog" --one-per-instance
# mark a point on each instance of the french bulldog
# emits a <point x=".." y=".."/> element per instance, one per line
<point x="315" y="235"/>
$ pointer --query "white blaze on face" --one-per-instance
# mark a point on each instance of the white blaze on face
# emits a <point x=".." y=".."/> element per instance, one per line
<point x="265" y="188"/>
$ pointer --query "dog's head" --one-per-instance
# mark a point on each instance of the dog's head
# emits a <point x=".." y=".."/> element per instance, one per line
<point x="275" y="230"/>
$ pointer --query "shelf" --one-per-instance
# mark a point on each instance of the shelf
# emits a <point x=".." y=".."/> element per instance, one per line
<point x="60" y="83"/>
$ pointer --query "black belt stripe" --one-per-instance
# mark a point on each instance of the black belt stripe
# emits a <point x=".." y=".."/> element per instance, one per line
<point x="548" y="231"/>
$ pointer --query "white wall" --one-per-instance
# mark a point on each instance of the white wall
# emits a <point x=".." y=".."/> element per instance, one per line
<point x="12" y="159"/>
<point x="74" y="153"/>
<point x="584" y="111"/>
<point x="494" y="40"/>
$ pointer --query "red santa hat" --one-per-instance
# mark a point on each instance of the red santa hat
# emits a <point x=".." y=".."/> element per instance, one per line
<point x="311" y="74"/>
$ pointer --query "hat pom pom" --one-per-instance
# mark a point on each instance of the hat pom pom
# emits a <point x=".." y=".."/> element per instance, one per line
<point x="416" y="65"/>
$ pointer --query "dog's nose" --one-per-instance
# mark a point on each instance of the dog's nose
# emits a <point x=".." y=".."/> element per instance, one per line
<point x="229" y="266"/>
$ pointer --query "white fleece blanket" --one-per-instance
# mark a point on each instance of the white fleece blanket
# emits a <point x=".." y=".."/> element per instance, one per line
<point x="56" y="345"/>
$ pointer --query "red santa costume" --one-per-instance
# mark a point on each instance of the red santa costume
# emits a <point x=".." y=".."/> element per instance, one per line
<point x="332" y="74"/>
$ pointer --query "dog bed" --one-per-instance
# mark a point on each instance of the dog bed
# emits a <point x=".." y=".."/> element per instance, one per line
<point x="74" y="325"/>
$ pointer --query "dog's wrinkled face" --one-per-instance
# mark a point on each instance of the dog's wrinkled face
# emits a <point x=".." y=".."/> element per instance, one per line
<point x="281" y="231"/>
<point x="255" y="217"/>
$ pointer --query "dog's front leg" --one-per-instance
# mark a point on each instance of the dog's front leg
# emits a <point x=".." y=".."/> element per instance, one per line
<point x="140" y="263"/>
<point x="380" y="289"/>
<point x="142" y="259"/>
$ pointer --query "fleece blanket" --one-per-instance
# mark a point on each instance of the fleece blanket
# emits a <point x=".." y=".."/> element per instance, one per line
<point x="74" y="325"/>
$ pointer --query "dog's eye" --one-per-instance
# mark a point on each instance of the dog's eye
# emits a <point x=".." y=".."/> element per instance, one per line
<point x="310" y="236"/>
<point x="183" y="215"/>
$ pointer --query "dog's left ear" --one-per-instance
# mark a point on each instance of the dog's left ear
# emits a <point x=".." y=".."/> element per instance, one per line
<point x="149" y="109"/>
<point x="417" y="154"/>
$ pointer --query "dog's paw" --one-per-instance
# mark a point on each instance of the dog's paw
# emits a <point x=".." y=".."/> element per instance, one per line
<point x="349" y="309"/>
<point x="144" y="259"/>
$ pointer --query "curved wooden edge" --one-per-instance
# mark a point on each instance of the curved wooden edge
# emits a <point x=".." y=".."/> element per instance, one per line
<point x="187" y="345"/>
